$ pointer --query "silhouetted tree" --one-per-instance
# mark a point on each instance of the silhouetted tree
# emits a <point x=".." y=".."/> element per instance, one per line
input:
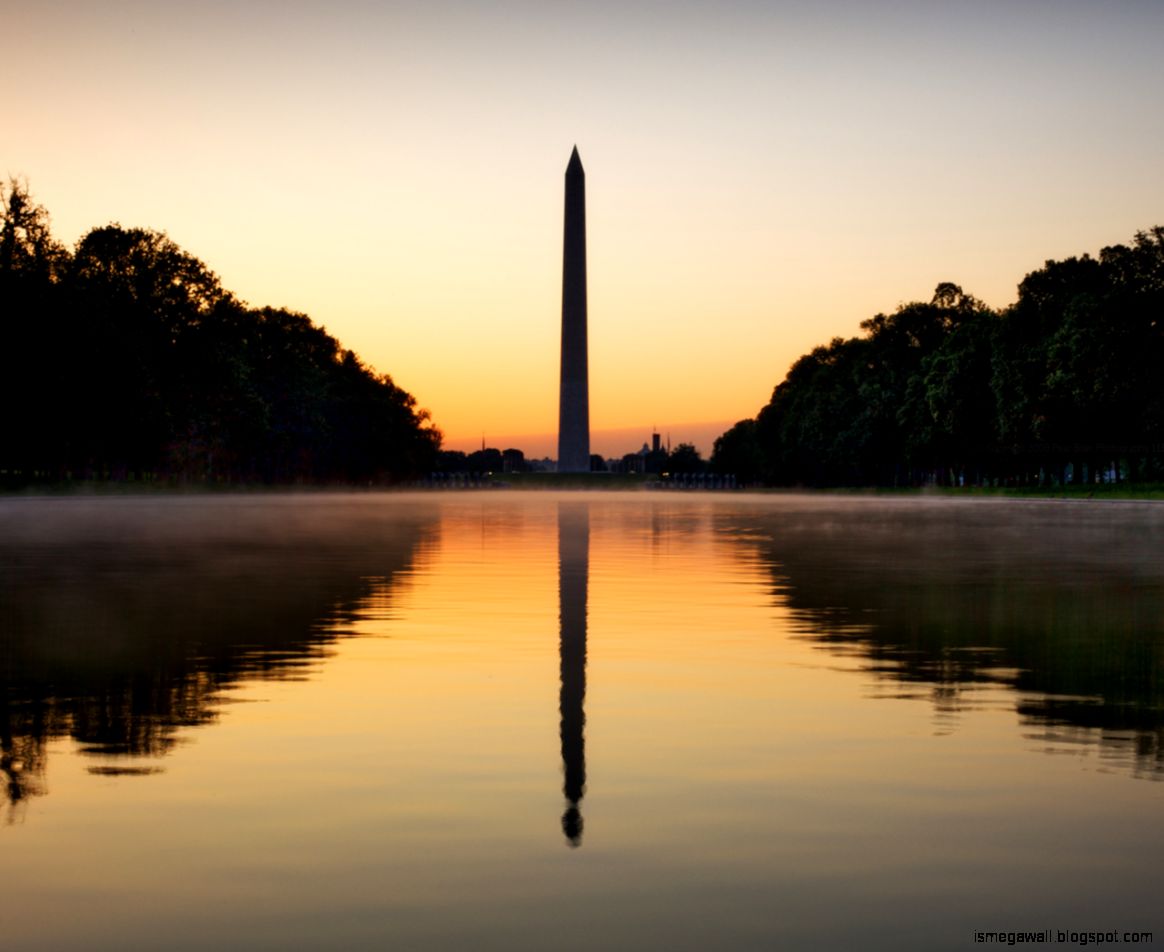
<point x="950" y="390"/>
<point x="949" y="412"/>
<point x="737" y="452"/>
<point x="810" y="431"/>
<point x="685" y="458"/>
<point x="487" y="460"/>
<point x="31" y="306"/>
<point x="26" y="243"/>
<point x="1075" y="381"/>
<point x="136" y="299"/>
<point x="451" y="461"/>
<point x="146" y="367"/>
<point x="514" y="461"/>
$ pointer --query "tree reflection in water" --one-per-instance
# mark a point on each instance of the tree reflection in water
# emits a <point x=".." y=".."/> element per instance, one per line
<point x="124" y="621"/>
<point x="1061" y="602"/>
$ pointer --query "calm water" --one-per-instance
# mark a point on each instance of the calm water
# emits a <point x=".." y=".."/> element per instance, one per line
<point x="589" y="721"/>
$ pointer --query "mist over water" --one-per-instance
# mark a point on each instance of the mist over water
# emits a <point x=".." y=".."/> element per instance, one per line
<point x="1061" y="601"/>
<point x="125" y="619"/>
<point x="427" y="720"/>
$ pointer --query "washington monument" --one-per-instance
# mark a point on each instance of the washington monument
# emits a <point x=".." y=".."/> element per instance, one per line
<point x="574" y="396"/>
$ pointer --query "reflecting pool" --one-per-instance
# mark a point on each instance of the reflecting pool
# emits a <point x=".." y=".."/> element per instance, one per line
<point x="505" y="720"/>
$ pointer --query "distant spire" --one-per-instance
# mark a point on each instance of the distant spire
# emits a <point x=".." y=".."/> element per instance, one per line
<point x="575" y="162"/>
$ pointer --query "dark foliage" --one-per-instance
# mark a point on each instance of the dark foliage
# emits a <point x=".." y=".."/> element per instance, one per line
<point x="737" y="452"/>
<point x="1062" y="385"/>
<point x="128" y="360"/>
<point x="685" y="458"/>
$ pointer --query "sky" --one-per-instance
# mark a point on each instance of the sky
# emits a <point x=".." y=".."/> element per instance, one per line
<point x="761" y="176"/>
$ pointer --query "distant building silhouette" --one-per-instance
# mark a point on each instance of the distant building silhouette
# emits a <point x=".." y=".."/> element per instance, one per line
<point x="574" y="395"/>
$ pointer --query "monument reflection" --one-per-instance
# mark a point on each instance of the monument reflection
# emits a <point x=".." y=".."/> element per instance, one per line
<point x="573" y="573"/>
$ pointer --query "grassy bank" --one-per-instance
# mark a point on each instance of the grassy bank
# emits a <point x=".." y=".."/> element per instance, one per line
<point x="1098" y="491"/>
<point x="1080" y="491"/>
<point x="566" y="481"/>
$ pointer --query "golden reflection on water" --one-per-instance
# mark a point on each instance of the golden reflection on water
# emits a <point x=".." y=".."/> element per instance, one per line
<point x="744" y="713"/>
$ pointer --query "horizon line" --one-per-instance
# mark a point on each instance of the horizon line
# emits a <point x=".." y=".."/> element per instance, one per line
<point x="703" y="438"/>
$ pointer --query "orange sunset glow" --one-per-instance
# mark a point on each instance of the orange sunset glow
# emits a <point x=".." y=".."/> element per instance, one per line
<point x="761" y="177"/>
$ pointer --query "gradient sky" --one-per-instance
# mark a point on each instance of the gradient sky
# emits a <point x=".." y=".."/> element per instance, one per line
<point x="761" y="176"/>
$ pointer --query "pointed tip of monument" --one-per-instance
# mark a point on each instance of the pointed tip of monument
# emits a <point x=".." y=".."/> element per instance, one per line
<point x="575" y="161"/>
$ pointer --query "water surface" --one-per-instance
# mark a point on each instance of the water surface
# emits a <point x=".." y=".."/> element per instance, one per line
<point x="512" y="721"/>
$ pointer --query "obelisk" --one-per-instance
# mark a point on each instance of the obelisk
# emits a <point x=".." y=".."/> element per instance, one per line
<point x="574" y="395"/>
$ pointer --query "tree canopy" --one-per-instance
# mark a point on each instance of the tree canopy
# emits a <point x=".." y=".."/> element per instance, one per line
<point x="127" y="359"/>
<point x="1062" y="384"/>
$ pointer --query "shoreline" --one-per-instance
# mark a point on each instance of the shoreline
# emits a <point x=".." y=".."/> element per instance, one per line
<point x="581" y="482"/>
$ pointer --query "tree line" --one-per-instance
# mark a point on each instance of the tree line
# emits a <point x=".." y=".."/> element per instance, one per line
<point x="126" y="359"/>
<point x="1061" y="386"/>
